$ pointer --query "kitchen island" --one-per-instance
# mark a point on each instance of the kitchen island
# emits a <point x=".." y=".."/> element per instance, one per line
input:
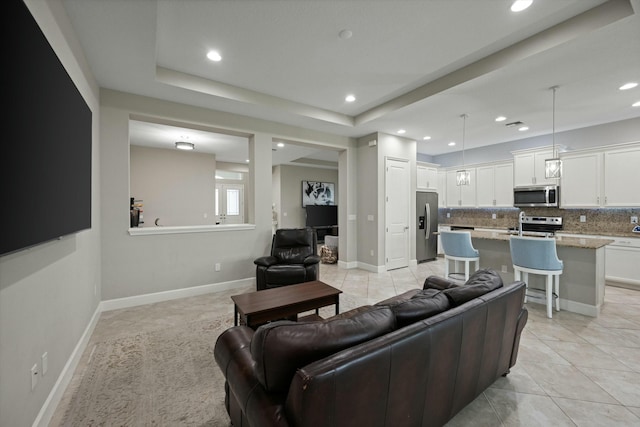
<point x="582" y="282"/>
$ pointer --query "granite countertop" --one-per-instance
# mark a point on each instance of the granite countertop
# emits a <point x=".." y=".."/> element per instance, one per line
<point x="604" y="233"/>
<point x="574" y="242"/>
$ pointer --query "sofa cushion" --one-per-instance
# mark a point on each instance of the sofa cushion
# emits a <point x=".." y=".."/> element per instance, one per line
<point x="279" y="348"/>
<point x="480" y="283"/>
<point x="422" y="304"/>
<point x="399" y="298"/>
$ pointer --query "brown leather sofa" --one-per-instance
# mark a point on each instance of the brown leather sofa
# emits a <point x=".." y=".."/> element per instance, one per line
<point x="413" y="360"/>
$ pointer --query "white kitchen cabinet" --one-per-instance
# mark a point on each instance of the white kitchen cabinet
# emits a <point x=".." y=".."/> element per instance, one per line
<point x="442" y="189"/>
<point x="601" y="177"/>
<point x="528" y="166"/>
<point x="622" y="261"/>
<point x="580" y="185"/>
<point x="462" y="196"/>
<point x="621" y="177"/>
<point x="495" y="185"/>
<point x="442" y="228"/>
<point x="427" y="177"/>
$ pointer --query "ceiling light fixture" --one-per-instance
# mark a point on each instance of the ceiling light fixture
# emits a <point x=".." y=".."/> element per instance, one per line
<point x="451" y="144"/>
<point x="345" y="34"/>
<point x="553" y="166"/>
<point x="280" y="144"/>
<point x="628" y="86"/>
<point x="401" y="131"/>
<point x="350" y="98"/>
<point x="523" y="128"/>
<point x="426" y="138"/>
<point x="463" y="176"/>
<point x="214" y="55"/>
<point x="182" y="145"/>
<point x="501" y="119"/>
<point x="636" y="104"/>
<point x="520" y="5"/>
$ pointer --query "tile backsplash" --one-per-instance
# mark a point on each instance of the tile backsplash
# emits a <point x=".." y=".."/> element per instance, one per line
<point x="613" y="222"/>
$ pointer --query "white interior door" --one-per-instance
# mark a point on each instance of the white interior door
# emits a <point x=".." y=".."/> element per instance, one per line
<point x="397" y="207"/>
<point x="230" y="203"/>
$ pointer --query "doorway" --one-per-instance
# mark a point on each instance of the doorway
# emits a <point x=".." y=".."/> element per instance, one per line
<point x="229" y="201"/>
<point x="397" y="207"/>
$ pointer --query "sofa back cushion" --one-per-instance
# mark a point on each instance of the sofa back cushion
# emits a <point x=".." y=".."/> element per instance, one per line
<point x="420" y="305"/>
<point x="279" y="348"/>
<point x="480" y="283"/>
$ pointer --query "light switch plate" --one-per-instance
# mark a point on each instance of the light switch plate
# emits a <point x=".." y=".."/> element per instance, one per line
<point x="583" y="218"/>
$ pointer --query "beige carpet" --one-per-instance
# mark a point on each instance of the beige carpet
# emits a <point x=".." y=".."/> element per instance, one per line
<point x="165" y="377"/>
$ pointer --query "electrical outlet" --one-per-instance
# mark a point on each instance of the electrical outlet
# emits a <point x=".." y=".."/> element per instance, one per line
<point x="448" y="214"/>
<point x="504" y="268"/>
<point x="371" y="252"/>
<point x="218" y="267"/>
<point x="34" y="376"/>
<point x="583" y="218"/>
<point x="45" y="363"/>
<point x="493" y="216"/>
<point x="634" y="220"/>
<point x="369" y="217"/>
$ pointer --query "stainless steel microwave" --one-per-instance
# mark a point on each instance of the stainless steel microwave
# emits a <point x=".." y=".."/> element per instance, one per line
<point x="538" y="196"/>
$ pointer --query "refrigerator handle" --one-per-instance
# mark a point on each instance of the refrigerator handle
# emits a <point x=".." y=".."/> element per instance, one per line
<point x="427" y="219"/>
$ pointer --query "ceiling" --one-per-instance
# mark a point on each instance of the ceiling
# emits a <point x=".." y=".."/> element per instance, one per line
<point x="413" y="65"/>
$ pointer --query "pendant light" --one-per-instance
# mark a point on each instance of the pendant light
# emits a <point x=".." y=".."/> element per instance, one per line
<point x="553" y="166"/>
<point x="463" y="177"/>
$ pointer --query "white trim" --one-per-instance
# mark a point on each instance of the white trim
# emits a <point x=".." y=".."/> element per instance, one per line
<point x="146" y="231"/>
<point x="136" y="300"/>
<point x="623" y="280"/>
<point x="373" y="268"/>
<point x="347" y="265"/>
<point x="55" y="396"/>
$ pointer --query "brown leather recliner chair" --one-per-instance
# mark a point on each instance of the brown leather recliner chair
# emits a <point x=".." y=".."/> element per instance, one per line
<point x="293" y="259"/>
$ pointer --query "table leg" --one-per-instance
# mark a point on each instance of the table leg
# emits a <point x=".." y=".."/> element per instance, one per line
<point x="337" y="305"/>
<point x="235" y="315"/>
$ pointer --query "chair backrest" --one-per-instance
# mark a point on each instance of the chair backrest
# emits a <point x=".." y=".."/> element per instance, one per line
<point x="293" y="245"/>
<point x="458" y="244"/>
<point x="535" y="252"/>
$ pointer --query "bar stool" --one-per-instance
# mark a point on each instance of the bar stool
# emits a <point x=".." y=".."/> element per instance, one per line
<point x="457" y="246"/>
<point x="538" y="255"/>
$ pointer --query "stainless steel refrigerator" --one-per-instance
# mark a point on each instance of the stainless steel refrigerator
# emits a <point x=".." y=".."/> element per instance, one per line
<point x="427" y="217"/>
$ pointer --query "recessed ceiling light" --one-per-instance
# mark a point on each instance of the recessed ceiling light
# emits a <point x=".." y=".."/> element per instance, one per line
<point x="630" y="85"/>
<point x="523" y="128"/>
<point x="280" y="144"/>
<point x="181" y="145"/>
<point x="214" y="55"/>
<point x="451" y="144"/>
<point x="501" y="119"/>
<point x="401" y="131"/>
<point x="350" y="98"/>
<point x="426" y="138"/>
<point x="247" y="160"/>
<point x="636" y="104"/>
<point x="520" y="5"/>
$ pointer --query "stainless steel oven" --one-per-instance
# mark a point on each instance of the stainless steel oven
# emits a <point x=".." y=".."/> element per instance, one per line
<point x="538" y="196"/>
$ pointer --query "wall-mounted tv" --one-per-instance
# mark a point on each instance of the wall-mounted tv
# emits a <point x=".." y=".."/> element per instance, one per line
<point x="321" y="215"/>
<point x="45" y="166"/>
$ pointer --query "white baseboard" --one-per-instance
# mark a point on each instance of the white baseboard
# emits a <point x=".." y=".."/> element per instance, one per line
<point x="126" y="302"/>
<point x="372" y="268"/>
<point x="347" y="265"/>
<point x="52" y="401"/>
<point x="50" y="405"/>
<point x="572" y="306"/>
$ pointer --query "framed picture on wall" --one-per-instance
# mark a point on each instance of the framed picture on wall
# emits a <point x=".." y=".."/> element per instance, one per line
<point x="318" y="193"/>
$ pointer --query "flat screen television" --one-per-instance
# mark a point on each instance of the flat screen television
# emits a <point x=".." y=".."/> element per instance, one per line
<point x="45" y="164"/>
<point x="322" y="215"/>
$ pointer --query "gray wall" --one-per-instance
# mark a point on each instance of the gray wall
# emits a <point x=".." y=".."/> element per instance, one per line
<point x="176" y="187"/>
<point x="577" y="139"/>
<point x="49" y="293"/>
<point x="291" y="214"/>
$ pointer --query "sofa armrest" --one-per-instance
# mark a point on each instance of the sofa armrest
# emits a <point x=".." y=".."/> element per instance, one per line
<point x="233" y="355"/>
<point x="437" y="282"/>
<point x="266" y="261"/>
<point x="312" y="259"/>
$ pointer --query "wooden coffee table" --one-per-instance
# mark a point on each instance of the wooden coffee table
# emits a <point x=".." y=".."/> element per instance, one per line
<point x="257" y="308"/>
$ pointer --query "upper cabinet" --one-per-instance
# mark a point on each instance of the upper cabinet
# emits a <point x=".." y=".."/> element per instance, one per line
<point x="602" y="177"/>
<point x="442" y="189"/>
<point x="462" y="196"/>
<point x="427" y="177"/>
<point x="528" y="167"/>
<point x="495" y="185"/>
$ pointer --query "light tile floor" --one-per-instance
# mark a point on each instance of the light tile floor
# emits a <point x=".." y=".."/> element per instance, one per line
<point x="572" y="370"/>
